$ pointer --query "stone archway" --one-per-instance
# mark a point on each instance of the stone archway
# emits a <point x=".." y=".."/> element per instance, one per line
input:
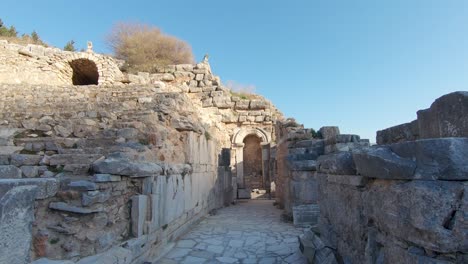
<point x="249" y="174"/>
<point x="85" y="72"/>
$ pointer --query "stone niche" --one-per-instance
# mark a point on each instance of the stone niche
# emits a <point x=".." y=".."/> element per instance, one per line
<point x="85" y="72"/>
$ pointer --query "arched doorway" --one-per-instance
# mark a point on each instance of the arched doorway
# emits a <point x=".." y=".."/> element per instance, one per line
<point x="253" y="162"/>
<point x="85" y="72"/>
<point x="248" y="146"/>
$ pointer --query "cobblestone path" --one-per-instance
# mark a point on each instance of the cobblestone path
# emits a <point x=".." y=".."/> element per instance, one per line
<point x="249" y="232"/>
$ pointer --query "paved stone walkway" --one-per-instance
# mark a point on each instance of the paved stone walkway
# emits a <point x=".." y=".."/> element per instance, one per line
<point x="249" y="232"/>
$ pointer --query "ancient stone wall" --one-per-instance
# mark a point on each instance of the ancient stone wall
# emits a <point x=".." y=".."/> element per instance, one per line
<point x="34" y="64"/>
<point x="396" y="203"/>
<point x="125" y="166"/>
<point x="114" y="171"/>
<point x="297" y="154"/>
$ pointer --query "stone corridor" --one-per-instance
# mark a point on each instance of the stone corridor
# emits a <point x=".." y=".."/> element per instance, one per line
<point x="250" y="232"/>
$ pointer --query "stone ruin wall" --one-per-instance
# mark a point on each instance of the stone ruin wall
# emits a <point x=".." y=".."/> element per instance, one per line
<point x="401" y="202"/>
<point x="119" y="169"/>
<point x="35" y="64"/>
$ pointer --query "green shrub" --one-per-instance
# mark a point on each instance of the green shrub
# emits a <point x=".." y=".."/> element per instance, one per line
<point x="70" y="46"/>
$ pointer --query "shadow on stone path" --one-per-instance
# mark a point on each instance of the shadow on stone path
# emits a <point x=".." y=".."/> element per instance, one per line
<point x="249" y="232"/>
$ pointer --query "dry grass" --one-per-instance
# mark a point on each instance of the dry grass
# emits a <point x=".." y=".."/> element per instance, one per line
<point x="146" y="48"/>
<point x="24" y="40"/>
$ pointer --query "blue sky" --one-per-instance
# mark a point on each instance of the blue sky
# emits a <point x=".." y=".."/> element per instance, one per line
<point x="361" y="65"/>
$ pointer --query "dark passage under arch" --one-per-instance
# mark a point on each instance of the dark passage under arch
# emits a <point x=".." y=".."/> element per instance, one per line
<point x="85" y="72"/>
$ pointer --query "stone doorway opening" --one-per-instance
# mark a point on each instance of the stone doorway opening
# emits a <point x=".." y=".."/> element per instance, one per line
<point x="253" y="162"/>
<point x="252" y="175"/>
<point x="85" y="72"/>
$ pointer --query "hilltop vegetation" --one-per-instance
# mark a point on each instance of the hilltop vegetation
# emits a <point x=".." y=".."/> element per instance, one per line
<point x="12" y="35"/>
<point x="146" y="48"/>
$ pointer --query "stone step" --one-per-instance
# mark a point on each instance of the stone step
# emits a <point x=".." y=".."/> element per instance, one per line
<point x="8" y="150"/>
<point x="61" y="206"/>
<point x="66" y="159"/>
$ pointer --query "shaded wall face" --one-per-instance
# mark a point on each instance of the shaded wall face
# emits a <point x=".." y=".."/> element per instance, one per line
<point x="252" y="162"/>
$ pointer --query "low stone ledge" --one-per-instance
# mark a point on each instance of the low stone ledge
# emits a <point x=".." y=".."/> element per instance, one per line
<point x="61" y="206"/>
<point x="50" y="261"/>
<point x="115" y="255"/>
<point x="126" y="167"/>
<point x="64" y="159"/>
<point x="106" y="178"/>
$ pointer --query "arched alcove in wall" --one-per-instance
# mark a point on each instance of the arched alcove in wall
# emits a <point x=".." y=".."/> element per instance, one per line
<point x="85" y="72"/>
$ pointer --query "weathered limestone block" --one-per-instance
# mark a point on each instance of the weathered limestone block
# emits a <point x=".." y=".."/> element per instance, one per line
<point x="425" y="213"/>
<point x="138" y="214"/>
<point x="93" y="197"/>
<point x="30" y="171"/>
<point x="126" y="167"/>
<point x="7" y="135"/>
<point x="342" y="222"/>
<point x="128" y="133"/>
<point x="9" y="150"/>
<point x="315" y="250"/>
<point x="306" y="214"/>
<point x="61" y="206"/>
<point x="312" y="145"/>
<point x="400" y="133"/>
<point x="428" y="159"/>
<point x="303" y="165"/>
<point x="350" y="146"/>
<point x="64" y="159"/>
<point x="447" y="117"/>
<point x="4" y="159"/>
<point x="347" y="138"/>
<point x="257" y="104"/>
<point x="302" y="156"/>
<point x="16" y="218"/>
<point x="443" y="158"/>
<point x="222" y="102"/>
<point x="185" y="124"/>
<point x="242" y="105"/>
<point x="208" y="102"/>
<point x="46" y="187"/>
<point x="25" y="159"/>
<point x="339" y="163"/>
<point x="303" y="187"/>
<point x="382" y="163"/>
<point x="81" y="185"/>
<point x="106" y="178"/>
<point x="259" y="118"/>
<point x="329" y="133"/>
<point x="9" y="172"/>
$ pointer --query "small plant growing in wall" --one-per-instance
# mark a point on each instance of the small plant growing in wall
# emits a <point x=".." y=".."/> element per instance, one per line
<point x="207" y="135"/>
<point x="70" y="46"/>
